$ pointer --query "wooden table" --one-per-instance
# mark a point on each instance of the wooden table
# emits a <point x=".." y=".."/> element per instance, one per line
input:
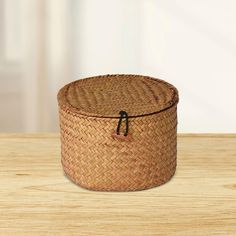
<point x="37" y="199"/>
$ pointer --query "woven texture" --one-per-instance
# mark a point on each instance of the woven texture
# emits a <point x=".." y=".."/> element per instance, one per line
<point x="89" y="113"/>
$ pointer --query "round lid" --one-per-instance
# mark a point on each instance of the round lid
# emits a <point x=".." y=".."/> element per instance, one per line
<point x="107" y="95"/>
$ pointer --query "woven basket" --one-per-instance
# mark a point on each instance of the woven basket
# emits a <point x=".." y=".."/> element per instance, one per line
<point x="118" y="132"/>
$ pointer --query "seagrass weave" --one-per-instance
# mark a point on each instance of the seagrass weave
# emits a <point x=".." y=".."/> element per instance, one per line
<point x="118" y="132"/>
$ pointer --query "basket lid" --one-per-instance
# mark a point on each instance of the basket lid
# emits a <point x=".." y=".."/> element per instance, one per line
<point x="107" y="95"/>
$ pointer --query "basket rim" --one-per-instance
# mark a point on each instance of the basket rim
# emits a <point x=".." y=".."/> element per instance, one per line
<point x="69" y="108"/>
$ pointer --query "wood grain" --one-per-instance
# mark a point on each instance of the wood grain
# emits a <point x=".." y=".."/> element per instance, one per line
<point x="37" y="199"/>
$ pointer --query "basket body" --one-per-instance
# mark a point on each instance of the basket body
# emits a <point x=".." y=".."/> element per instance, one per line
<point x="94" y="159"/>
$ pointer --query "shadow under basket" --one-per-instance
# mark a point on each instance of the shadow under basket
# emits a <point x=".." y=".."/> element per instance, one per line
<point x="118" y="132"/>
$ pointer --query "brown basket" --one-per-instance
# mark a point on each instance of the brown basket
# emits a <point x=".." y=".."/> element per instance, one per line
<point x="118" y="132"/>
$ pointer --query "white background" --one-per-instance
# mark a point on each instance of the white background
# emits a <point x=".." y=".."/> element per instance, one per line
<point x="191" y="44"/>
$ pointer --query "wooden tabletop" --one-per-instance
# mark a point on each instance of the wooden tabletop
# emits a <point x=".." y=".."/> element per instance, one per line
<point x="37" y="199"/>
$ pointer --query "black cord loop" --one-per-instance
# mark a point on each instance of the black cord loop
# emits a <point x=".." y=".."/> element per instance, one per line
<point x="123" y="114"/>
